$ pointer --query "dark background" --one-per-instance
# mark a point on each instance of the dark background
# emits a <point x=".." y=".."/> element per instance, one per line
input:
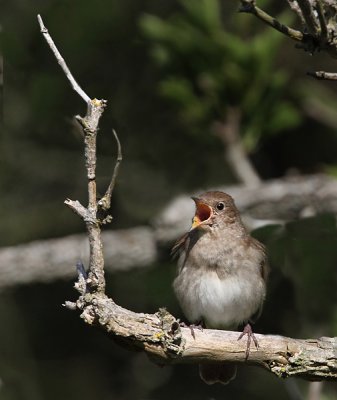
<point x="46" y="352"/>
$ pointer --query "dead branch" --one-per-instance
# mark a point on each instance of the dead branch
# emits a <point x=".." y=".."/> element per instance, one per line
<point x="248" y="6"/>
<point x="160" y="335"/>
<point x="165" y="342"/>
<point x="315" y="390"/>
<point x="309" y="17"/>
<point x="61" y="61"/>
<point x="105" y="201"/>
<point x="88" y="214"/>
<point x="319" y="20"/>
<point x="48" y="260"/>
<point x="295" y="7"/>
<point x="322" y="75"/>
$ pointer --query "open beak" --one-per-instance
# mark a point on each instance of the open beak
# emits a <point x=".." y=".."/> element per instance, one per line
<point x="203" y="213"/>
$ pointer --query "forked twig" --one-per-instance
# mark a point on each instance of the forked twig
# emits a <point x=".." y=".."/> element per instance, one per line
<point x="105" y="201"/>
<point x="95" y="279"/>
<point x="319" y="27"/>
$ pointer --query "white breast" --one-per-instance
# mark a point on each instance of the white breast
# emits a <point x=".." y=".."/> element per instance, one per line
<point x="221" y="303"/>
<point x="220" y="280"/>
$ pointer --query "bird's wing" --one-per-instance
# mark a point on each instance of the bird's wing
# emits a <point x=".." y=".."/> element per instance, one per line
<point x="180" y="245"/>
<point x="264" y="266"/>
<point x="264" y="270"/>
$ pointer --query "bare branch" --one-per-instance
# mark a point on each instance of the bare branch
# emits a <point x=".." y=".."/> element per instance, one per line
<point x="105" y="201"/>
<point x="76" y="207"/>
<point x="52" y="259"/>
<point x="89" y="125"/>
<point x="309" y="17"/>
<point x="322" y="21"/>
<point x="90" y="129"/>
<point x="248" y="6"/>
<point x="61" y="62"/>
<point x="236" y="155"/>
<point x="320" y="75"/>
<point x="318" y="34"/>
<point x="315" y="391"/>
<point x="295" y="7"/>
<point x="161" y="337"/>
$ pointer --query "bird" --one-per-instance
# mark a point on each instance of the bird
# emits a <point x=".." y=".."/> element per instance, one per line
<point x="221" y="276"/>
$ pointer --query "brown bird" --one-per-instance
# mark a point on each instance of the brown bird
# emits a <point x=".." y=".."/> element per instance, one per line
<point x="222" y="274"/>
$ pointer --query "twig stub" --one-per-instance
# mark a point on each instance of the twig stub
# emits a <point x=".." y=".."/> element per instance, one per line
<point x="105" y="202"/>
<point x="322" y="75"/>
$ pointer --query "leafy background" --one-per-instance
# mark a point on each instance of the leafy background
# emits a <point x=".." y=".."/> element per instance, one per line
<point x="170" y="70"/>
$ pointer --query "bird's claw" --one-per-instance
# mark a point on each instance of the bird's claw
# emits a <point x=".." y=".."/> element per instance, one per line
<point x="193" y="327"/>
<point x="247" y="330"/>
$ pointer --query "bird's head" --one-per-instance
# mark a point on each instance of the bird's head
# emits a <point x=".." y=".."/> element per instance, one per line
<point x="214" y="209"/>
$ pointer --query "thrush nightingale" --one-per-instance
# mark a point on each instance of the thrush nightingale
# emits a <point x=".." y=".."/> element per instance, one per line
<point x="222" y="273"/>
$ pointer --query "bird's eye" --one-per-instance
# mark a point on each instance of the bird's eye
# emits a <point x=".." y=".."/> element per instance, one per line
<point x="220" y="206"/>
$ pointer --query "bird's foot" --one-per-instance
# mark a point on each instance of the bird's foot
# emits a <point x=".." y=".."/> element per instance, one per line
<point x="192" y="327"/>
<point x="247" y="330"/>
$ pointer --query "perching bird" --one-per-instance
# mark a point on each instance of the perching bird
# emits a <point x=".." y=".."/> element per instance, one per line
<point x="222" y="274"/>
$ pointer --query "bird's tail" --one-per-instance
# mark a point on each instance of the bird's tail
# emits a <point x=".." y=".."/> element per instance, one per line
<point x="217" y="373"/>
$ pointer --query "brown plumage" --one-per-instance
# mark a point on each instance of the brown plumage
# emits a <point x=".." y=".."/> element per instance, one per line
<point x="222" y="274"/>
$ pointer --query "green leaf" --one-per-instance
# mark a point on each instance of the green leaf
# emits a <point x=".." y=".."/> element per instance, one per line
<point x="284" y="116"/>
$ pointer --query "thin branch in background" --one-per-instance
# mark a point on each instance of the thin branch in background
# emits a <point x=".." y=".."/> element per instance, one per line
<point x="322" y="21"/>
<point x="330" y="76"/>
<point x="1" y="90"/>
<point x="229" y="133"/>
<point x="105" y="201"/>
<point x="61" y="61"/>
<point x="248" y="6"/>
<point x="320" y="110"/>
<point x="315" y="390"/>
<point x="293" y="389"/>
<point x="295" y="7"/>
<point x="309" y="17"/>
<point x="317" y="33"/>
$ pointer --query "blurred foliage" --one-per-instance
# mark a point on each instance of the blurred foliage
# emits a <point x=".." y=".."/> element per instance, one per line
<point x="41" y="152"/>
<point x="209" y="59"/>
<point x="304" y="253"/>
<point x="207" y="69"/>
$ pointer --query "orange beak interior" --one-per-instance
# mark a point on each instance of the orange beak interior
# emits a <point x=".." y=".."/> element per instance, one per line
<point x="202" y="213"/>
